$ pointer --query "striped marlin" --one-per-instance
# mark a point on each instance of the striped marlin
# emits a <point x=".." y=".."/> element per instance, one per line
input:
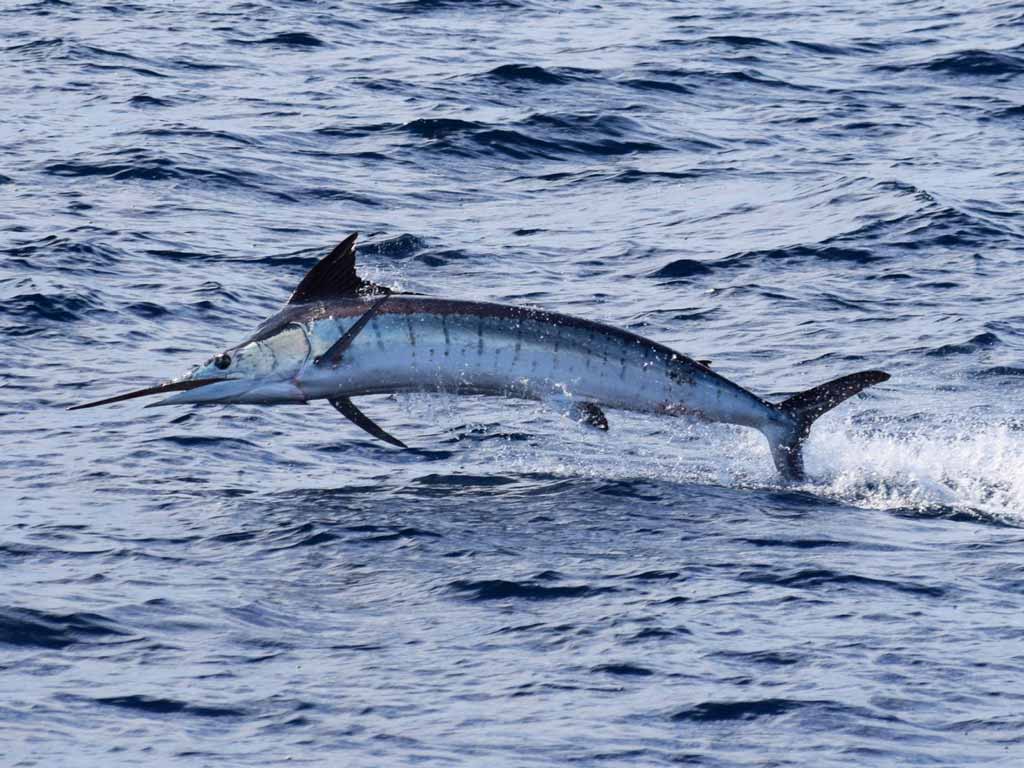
<point x="341" y="337"/>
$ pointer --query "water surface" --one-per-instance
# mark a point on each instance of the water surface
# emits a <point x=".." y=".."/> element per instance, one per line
<point x="794" y="193"/>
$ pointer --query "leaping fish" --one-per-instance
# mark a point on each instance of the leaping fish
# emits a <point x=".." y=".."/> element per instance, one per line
<point x="341" y="337"/>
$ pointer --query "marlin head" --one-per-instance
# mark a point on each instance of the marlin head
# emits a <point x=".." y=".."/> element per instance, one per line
<point x="268" y="368"/>
<point x="258" y="371"/>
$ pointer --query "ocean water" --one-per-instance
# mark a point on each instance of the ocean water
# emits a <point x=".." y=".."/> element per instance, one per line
<point x="794" y="191"/>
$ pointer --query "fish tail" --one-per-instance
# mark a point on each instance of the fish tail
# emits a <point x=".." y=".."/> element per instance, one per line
<point x="786" y="436"/>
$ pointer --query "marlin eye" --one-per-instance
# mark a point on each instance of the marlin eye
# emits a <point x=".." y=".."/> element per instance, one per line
<point x="222" y="361"/>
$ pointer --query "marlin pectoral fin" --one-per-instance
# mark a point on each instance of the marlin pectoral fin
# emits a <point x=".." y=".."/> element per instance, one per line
<point x="705" y="363"/>
<point x="589" y="414"/>
<point x="348" y="409"/>
<point x="332" y="356"/>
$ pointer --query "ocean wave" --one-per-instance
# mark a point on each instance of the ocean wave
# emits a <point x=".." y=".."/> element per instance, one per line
<point x="741" y="41"/>
<point x="465" y="6"/>
<point x="717" y="79"/>
<point x="139" y="164"/>
<point x="831" y="49"/>
<point x="930" y="227"/>
<point x="825" y="251"/>
<point x="977" y="343"/>
<point x="173" y="131"/>
<point x="41" y="48"/>
<point x="744" y="709"/>
<point x="28" y="627"/>
<point x="77" y="250"/>
<point x="824" y="579"/>
<point x="654" y="84"/>
<point x="814" y="714"/>
<point x="622" y="670"/>
<point x="342" y="195"/>
<point x="300" y="40"/>
<point x="144" y="100"/>
<point x="32" y="314"/>
<point x="504" y="589"/>
<point x="155" y="705"/>
<point x="682" y="268"/>
<point x="533" y="74"/>
<point x="968" y="63"/>
<point x="540" y="136"/>
<point x="1014" y="113"/>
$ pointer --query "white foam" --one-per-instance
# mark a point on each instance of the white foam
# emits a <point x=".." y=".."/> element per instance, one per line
<point x="979" y="470"/>
<point x="976" y="468"/>
<point x="933" y="466"/>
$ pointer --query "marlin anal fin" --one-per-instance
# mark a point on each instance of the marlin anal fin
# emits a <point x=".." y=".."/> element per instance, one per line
<point x="348" y="409"/>
<point x="334" y="276"/>
<point x="332" y="357"/>
<point x="589" y="414"/>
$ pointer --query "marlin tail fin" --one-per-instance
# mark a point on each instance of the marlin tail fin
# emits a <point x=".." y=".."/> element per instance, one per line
<point x="801" y="410"/>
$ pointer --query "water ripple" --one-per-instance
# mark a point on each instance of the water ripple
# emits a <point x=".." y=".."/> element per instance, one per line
<point x="789" y="193"/>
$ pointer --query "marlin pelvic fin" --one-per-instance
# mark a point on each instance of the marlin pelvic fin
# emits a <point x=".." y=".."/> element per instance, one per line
<point x="332" y="357"/>
<point x="348" y="409"/>
<point x="803" y="408"/>
<point x="334" y="276"/>
<point x="589" y="414"/>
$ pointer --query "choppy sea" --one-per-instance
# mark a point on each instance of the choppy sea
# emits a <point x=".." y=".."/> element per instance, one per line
<point x="794" y="191"/>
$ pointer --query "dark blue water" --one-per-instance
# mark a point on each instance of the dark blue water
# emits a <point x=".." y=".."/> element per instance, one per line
<point x="793" y="192"/>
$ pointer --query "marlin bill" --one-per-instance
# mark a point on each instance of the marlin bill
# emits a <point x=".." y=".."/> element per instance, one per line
<point x="340" y="337"/>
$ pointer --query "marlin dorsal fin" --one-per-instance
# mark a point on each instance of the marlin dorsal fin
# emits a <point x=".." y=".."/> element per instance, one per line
<point x="334" y="277"/>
